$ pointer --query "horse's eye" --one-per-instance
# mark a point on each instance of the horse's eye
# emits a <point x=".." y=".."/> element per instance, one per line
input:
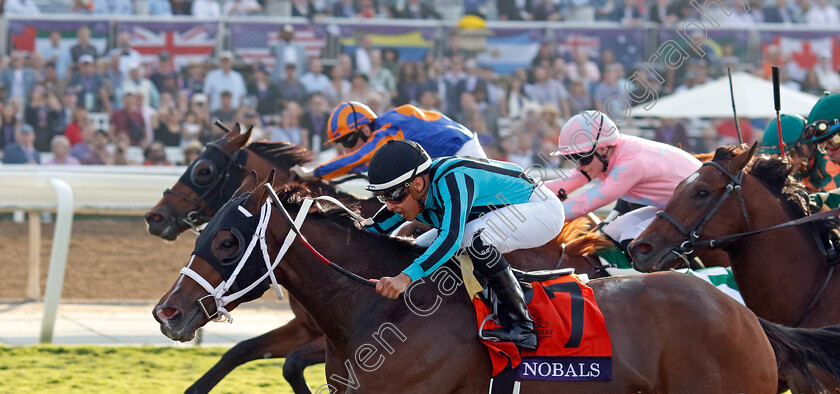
<point x="703" y="193"/>
<point x="203" y="173"/>
<point x="227" y="244"/>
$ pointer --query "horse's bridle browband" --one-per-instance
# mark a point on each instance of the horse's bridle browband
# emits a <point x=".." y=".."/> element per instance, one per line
<point x="692" y="236"/>
<point x="192" y="218"/>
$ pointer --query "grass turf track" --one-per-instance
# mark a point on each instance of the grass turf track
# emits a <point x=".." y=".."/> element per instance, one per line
<point x="124" y="370"/>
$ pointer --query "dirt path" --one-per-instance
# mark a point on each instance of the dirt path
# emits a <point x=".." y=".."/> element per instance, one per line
<point x="109" y="259"/>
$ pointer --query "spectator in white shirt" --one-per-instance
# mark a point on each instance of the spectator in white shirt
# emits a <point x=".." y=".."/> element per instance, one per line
<point x="822" y="14"/>
<point x="241" y="7"/>
<point x="128" y="55"/>
<point x="314" y="80"/>
<point x="206" y="9"/>
<point x="224" y="78"/>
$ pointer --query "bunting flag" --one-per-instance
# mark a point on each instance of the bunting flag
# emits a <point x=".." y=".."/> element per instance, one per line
<point x="626" y="45"/>
<point x="185" y="41"/>
<point x="803" y="49"/>
<point x="34" y="35"/>
<point x="507" y="53"/>
<point x="412" y="43"/>
<point x="252" y="41"/>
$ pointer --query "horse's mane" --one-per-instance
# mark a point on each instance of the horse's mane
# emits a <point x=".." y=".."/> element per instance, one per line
<point x="292" y="195"/>
<point x="282" y="154"/>
<point x="580" y="240"/>
<point x="775" y="174"/>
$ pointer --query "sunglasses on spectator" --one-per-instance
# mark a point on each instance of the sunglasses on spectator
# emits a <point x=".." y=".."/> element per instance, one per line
<point x="394" y="195"/>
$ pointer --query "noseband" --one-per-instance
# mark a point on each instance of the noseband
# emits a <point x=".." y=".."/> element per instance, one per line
<point x="192" y="218"/>
<point x="692" y="236"/>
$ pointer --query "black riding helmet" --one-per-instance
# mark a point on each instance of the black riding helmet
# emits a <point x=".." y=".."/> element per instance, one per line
<point x="396" y="164"/>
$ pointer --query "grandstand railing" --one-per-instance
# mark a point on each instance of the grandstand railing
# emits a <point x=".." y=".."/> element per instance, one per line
<point x="118" y="190"/>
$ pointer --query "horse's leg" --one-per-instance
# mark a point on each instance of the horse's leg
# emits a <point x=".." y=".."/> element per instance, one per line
<point x="273" y="344"/>
<point x="312" y="353"/>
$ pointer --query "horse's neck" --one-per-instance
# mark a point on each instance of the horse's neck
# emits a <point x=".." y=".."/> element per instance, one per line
<point x="343" y="308"/>
<point x="776" y="270"/>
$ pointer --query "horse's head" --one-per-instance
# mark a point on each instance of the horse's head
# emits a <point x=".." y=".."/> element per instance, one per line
<point x="707" y="204"/>
<point x="226" y="267"/>
<point x="207" y="183"/>
<point x="212" y="178"/>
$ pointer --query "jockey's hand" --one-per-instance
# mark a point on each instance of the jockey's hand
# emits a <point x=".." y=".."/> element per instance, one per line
<point x="303" y="173"/>
<point x="392" y="287"/>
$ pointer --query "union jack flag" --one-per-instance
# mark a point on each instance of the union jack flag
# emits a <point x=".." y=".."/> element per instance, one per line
<point x="183" y="41"/>
<point x="252" y="42"/>
<point x="574" y="42"/>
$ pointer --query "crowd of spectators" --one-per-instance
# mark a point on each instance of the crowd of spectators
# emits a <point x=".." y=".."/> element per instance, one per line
<point x="48" y="97"/>
<point x="810" y="12"/>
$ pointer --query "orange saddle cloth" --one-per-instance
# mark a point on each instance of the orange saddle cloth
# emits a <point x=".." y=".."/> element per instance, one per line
<point x="574" y="344"/>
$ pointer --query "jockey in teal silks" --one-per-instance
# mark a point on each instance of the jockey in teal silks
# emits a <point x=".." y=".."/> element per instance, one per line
<point x="468" y="200"/>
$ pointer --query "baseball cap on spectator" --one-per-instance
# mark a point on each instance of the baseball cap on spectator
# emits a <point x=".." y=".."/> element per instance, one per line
<point x="134" y="66"/>
<point x="199" y="98"/>
<point x="226" y="55"/>
<point x="26" y="129"/>
<point x="86" y="59"/>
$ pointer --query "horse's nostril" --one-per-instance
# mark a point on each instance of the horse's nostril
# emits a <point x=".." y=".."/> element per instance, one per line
<point x="154" y="218"/>
<point x="642" y="248"/>
<point x="168" y="313"/>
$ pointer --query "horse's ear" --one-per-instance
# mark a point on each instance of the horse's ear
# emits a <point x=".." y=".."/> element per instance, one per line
<point x="240" y="139"/>
<point x="234" y="131"/>
<point x="248" y="184"/>
<point x="260" y="192"/>
<point x="270" y="178"/>
<point x="247" y="134"/>
<point x="741" y="161"/>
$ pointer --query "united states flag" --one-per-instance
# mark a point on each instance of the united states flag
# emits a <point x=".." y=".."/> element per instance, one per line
<point x="253" y="43"/>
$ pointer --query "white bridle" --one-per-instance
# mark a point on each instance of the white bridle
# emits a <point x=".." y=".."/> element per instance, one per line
<point x="218" y="292"/>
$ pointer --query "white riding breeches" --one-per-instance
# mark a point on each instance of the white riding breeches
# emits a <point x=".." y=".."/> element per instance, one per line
<point x="471" y="148"/>
<point x="631" y="224"/>
<point x="518" y="226"/>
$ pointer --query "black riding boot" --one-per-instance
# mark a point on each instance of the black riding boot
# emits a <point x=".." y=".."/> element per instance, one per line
<point x="517" y="326"/>
<point x="516" y="323"/>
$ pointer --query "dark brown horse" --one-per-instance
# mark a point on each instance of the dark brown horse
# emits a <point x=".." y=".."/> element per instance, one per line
<point x="782" y="274"/>
<point x="210" y="181"/>
<point x="212" y="178"/>
<point x="378" y="345"/>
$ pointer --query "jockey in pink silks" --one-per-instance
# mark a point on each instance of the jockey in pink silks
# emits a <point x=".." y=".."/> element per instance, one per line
<point x="625" y="167"/>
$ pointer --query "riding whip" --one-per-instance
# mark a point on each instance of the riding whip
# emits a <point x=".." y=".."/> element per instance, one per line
<point x="732" y="97"/>
<point x="777" y="101"/>
<point x="222" y="126"/>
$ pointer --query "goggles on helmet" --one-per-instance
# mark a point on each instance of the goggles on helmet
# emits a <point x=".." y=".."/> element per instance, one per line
<point x="394" y="195"/>
<point x="820" y="129"/>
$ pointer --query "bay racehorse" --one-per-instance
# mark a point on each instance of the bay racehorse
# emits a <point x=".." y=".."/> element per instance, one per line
<point x="783" y="274"/>
<point x="212" y="178"/>
<point x="437" y="351"/>
<point x="210" y="181"/>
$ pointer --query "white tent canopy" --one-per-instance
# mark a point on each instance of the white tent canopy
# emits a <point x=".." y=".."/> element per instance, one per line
<point x="753" y="99"/>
